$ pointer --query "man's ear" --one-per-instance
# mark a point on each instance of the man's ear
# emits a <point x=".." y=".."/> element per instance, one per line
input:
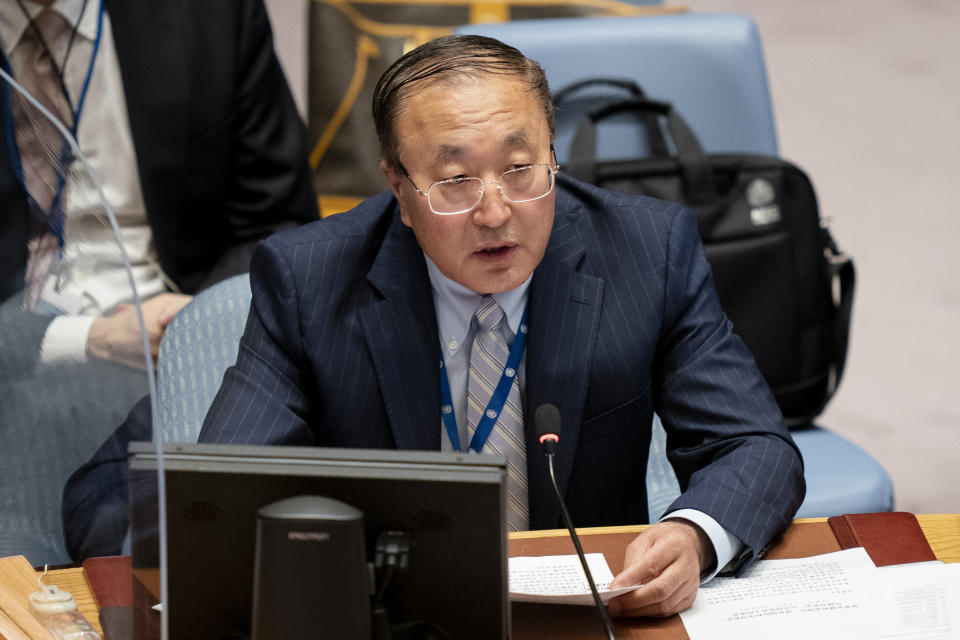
<point x="393" y="178"/>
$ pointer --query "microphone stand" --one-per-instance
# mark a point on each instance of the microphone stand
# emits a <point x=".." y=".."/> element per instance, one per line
<point x="549" y="446"/>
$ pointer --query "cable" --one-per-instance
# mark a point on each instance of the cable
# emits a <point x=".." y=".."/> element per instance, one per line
<point x="608" y="625"/>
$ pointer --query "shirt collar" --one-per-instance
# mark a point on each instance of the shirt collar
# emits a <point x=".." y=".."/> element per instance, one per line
<point x="455" y="305"/>
<point x="71" y="10"/>
<point x="13" y="23"/>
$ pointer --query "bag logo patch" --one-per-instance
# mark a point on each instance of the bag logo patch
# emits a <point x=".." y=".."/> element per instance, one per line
<point x="762" y="198"/>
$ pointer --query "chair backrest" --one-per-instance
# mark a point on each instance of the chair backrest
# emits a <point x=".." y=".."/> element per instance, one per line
<point x="709" y="65"/>
<point x="197" y="348"/>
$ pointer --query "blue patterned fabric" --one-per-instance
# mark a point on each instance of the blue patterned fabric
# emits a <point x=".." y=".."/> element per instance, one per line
<point x="662" y="485"/>
<point x="197" y="348"/>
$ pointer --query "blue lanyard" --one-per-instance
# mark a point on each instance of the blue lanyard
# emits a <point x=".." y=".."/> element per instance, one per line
<point x="57" y="223"/>
<point x="497" y="400"/>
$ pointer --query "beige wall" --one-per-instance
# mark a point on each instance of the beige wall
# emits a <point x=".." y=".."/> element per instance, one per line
<point x="289" y="20"/>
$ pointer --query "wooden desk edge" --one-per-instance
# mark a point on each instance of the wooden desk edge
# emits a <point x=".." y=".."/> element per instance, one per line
<point x="942" y="531"/>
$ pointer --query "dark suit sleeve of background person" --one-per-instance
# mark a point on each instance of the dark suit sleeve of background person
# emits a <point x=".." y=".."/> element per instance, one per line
<point x="95" y="504"/>
<point x="221" y="149"/>
<point x="726" y="437"/>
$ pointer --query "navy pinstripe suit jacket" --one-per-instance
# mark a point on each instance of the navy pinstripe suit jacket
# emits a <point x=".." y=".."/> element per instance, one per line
<point x="341" y="348"/>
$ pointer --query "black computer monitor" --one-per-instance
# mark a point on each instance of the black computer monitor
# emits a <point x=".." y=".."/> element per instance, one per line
<point x="451" y="504"/>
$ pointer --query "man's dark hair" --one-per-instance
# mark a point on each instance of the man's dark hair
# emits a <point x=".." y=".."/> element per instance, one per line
<point x="442" y="59"/>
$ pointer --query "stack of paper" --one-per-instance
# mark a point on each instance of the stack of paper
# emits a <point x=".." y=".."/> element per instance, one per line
<point x="835" y="595"/>
<point x="560" y="579"/>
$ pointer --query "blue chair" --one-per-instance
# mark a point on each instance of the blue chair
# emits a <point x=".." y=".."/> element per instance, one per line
<point x="197" y="348"/>
<point x="711" y="67"/>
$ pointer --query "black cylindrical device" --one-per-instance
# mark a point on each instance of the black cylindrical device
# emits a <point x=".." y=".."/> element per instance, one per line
<point x="310" y="573"/>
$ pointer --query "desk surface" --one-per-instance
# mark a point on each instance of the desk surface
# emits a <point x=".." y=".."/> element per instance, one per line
<point x="809" y="536"/>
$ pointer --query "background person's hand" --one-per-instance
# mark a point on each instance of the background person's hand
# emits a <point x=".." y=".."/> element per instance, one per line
<point x="117" y="336"/>
<point x="667" y="559"/>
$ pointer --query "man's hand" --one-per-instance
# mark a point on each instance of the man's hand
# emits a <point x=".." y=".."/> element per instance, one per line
<point x="117" y="336"/>
<point x="667" y="560"/>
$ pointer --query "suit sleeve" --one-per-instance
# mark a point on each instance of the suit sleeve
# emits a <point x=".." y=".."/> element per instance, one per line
<point x="272" y="187"/>
<point x="95" y="503"/>
<point x="726" y="438"/>
<point x="263" y="398"/>
<point x="271" y="182"/>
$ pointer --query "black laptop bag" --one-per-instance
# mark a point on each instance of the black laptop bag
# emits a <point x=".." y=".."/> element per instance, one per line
<point x="781" y="279"/>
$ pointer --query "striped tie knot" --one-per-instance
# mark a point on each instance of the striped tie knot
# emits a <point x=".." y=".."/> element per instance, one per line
<point x="488" y="314"/>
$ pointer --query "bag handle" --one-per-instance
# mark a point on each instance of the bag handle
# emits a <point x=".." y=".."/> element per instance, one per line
<point x="842" y="273"/>
<point x="695" y="167"/>
<point x="658" y="146"/>
<point x="626" y="84"/>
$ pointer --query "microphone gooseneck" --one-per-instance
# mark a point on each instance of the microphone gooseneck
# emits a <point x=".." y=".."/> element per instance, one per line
<point x="546" y="419"/>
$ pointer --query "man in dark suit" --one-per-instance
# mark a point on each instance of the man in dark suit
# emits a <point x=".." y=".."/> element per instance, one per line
<point x="610" y="293"/>
<point x="190" y="125"/>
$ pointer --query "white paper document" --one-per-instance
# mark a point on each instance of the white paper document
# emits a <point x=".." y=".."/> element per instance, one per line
<point x="924" y="599"/>
<point x="560" y="579"/>
<point x="835" y="595"/>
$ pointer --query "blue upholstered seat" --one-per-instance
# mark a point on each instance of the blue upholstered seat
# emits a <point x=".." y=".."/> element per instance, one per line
<point x="196" y="350"/>
<point x="841" y="477"/>
<point x="711" y="67"/>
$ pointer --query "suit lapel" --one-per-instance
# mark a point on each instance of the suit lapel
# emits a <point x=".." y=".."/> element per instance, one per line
<point x="149" y="38"/>
<point x="564" y="313"/>
<point x="402" y="336"/>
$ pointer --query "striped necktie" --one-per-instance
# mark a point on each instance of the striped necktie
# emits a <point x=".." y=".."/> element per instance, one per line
<point x="39" y="142"/>
<point x="488" y="357"/>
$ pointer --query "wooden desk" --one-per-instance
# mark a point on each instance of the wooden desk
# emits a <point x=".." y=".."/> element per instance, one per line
<point x="811" y="536"/>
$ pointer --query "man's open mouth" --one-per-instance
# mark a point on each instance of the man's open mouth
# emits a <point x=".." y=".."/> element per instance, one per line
<point x="496" y="251"/>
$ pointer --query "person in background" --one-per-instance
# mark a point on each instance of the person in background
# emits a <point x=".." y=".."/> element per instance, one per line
<point x="187" y="120"/>
<point x="190" y="125"/>
<point x="485" y="268"/>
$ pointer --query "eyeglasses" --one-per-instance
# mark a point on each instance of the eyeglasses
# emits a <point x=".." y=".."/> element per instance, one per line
<point x="462" y="194"/>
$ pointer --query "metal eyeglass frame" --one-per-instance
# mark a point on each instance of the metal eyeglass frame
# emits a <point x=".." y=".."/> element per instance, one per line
<point x="554" y="169"/>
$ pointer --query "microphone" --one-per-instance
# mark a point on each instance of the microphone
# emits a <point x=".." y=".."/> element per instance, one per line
<point x="546" y="420"/>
